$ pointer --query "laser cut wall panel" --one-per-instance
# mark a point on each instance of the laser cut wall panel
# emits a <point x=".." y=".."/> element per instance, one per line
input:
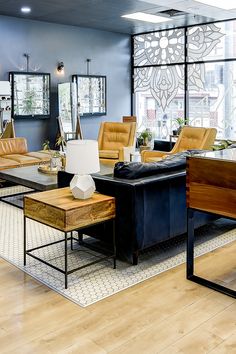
<point x="177" y="79"/>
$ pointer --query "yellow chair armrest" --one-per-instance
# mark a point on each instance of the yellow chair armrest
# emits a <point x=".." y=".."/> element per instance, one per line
<point x="153" y="153"/>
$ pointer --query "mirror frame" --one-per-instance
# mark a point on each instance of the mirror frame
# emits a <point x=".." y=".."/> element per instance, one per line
<point x="76" y="79"/>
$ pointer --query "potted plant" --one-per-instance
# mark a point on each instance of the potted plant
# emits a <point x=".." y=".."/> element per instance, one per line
<point x="180" y="122"/>
<point x="46" y="145"/>
<point x="61" y="143"/>
<point x="144" y="139"/>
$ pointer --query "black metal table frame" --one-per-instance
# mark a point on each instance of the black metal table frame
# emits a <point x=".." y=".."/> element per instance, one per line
<point x="190" y="258"/>
<point x="65" y="271"/>
<point x="5" y="198"/>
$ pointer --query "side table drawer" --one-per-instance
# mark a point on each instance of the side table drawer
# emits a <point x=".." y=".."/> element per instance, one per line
<point x="83" y="212"/>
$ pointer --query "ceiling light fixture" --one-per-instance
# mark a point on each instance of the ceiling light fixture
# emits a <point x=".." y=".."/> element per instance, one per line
<point x="142" y="16"/>
<point x="221" y="4"/>
<point x="60" y="67"/>
<point x="25" y="9"/>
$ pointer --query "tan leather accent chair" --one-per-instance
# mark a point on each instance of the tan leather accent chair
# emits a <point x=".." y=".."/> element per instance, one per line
<point x="116" y="141"/>
<point x="190" y="138"/>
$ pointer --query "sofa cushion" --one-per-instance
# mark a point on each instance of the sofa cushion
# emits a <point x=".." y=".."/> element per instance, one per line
<point x="133" y="170"/>
<point x="109" y="154"/>
<point x="6" y="163"/>
<point x="13" y="146"/>
<point x="22" y="159"/>
<point x="43" y="157"/>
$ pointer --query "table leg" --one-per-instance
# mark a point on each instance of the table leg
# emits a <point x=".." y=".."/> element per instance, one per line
<point x="66" y="265"/>
<point x="190" y="243"/>
<point x="114" y="242"/>
<point x="24" y="230"/>
<point x="80" y="237"/>
<point x="71" y="241"/>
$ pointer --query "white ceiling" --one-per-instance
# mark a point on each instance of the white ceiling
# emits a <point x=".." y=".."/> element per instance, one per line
<point x="106" y="14"/>
<point x="195" y="8"/>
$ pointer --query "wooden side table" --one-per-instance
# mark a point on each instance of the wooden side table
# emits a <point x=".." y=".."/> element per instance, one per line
<point x="60" y="210"/>
<point x="211" y="188"/>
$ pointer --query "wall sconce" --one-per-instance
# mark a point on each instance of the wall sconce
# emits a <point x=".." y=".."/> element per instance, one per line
<point x="60" y="68"/>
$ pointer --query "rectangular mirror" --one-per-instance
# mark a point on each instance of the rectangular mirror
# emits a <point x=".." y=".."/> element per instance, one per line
<point x="30" y="95"/>
<point x="91" y="94"/>
<point x="67" y="112"/>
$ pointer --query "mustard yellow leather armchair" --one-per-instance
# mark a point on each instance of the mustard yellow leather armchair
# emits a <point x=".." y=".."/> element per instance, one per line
<point x="116" y="141"/>
<point x="189" y="138"/>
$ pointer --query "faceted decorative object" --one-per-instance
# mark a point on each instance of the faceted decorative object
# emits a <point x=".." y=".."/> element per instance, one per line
<point x="82" y="186"/>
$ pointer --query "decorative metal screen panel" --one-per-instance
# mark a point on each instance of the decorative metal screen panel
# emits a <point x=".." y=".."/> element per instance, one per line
<point x="203" y="40"/>
<point x="162" y="82"/>
<point x="159" y="75"/>
<point x="160" y="48"/>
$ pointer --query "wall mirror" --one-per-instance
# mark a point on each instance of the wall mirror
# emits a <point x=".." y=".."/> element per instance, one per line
<point x="67" y="106"/>
<point x="91" y="94"/>
<point x="30" y="94"/>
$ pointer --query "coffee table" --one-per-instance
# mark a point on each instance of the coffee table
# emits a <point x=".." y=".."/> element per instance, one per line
<point x="28" y="177"/>
<point x="31" y="178"/>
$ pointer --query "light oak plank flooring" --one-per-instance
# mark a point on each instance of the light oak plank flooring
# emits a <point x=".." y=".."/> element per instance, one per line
<point x="166" y="314"/>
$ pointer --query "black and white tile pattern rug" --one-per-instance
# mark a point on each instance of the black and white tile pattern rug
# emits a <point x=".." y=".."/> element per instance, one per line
<point x="96" y="282"/>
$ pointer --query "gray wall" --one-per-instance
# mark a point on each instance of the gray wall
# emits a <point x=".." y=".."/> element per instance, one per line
<point x="48" y="44"/>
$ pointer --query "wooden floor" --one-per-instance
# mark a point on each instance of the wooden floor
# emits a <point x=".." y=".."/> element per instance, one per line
<point x="166" y="314"/>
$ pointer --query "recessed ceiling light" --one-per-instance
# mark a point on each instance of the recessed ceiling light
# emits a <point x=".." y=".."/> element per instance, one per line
<point x="25" y="9"/>
<point x="222" y="4"/>
<point x="146" y="17"/>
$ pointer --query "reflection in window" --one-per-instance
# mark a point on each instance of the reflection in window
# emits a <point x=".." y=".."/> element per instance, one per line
<point x="214" y="105"/>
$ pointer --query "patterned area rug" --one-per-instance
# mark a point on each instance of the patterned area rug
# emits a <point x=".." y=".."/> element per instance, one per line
<point x="100" y="280"/>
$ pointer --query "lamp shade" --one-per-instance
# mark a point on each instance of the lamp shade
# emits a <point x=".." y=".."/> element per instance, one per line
<point x="82" y="157"/>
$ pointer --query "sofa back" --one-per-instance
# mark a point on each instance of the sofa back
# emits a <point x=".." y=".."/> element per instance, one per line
<point x="13" y="146"/>
<point x="115" y="135"/>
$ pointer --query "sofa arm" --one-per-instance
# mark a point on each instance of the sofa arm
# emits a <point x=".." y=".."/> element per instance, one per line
<point x="124" y="153"/>
<point x="153" y="153"/>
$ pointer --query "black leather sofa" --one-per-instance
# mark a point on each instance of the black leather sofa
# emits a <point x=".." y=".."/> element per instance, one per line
<point x="149" y="209"/>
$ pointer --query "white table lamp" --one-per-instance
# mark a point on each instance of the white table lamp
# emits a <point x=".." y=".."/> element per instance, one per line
<point x="82" y="158"/>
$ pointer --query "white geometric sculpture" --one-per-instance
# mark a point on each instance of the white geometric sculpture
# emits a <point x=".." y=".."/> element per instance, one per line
<point x="82" y="187"/>
<point x="82" y="158"/>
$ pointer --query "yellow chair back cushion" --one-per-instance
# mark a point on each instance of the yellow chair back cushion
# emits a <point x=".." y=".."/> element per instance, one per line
<point x="116" y="135"/>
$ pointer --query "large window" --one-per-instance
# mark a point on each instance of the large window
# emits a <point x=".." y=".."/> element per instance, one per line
<point x="195" y="80"/>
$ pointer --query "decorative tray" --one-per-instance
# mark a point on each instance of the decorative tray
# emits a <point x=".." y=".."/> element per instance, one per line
<point x="48" y="170"/>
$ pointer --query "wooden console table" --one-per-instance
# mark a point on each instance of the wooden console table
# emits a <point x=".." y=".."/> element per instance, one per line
<point x="60" y="210"/>
<point x="211" y="188"/>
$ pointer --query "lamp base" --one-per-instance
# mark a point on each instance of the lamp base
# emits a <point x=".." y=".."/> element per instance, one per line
<point x="82" y="186"/>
